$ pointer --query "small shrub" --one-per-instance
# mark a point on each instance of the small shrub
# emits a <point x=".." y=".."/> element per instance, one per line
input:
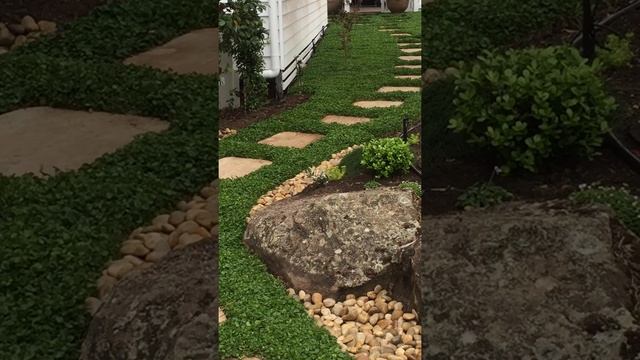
<point x="371" y="184"/>
<point x="335" y="173"/>
<point x="413" y="139"/>
<point x="617" y="51"/>
<point x="387" y="156"/>
<point x="625" y="204"/>
<point x="531" y="105"/>
<point x="413" y="186"/>
<point x="482" y="195"/>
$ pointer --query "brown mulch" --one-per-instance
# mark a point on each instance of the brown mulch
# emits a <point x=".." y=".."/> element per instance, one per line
<point x="239" y="119"/>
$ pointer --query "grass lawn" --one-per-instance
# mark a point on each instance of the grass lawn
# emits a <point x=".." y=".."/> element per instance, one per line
<point x="57" y="233"/>
<point x="262" y="319"/>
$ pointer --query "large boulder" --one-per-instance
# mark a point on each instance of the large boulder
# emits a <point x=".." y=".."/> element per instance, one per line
<point x="339" y="243"/>
<point x="166" y="312"/>
<point x="528" y="281"/>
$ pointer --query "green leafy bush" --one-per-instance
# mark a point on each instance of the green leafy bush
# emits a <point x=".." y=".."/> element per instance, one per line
<point x="413" y="186"/>
<point x="482" y="195"/>
<point x="461" y="29"/>
<point x="387" y="156"/>
<point x="530" y="105"/>
<point x="625" y="204"/>
<point x="617" y="51"/>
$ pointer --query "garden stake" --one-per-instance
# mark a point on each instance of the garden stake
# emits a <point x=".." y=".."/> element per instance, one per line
<point x="588" y="31"/>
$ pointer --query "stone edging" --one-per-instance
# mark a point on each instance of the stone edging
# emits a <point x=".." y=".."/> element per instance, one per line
<point x="298" y="183"/>
<point x="13" y="36"/>
<point x="193" y="221"/>
<point x="373" y="326"/>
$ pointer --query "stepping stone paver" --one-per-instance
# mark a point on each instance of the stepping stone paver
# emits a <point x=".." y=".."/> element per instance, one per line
<point x="344" y="120"/>
<point x="410" y="58"/>
<point x="291" y="139"/>
<point x="221" y="316"/>
<point x="410" y="50"/>
<point x="44" y="138"/>
<point x="409" y="44"/>
<point x="408" y="77"/>
<point x="401" y="34"/>
<point x="408" y="66"/>
<point x="370" y="104"/>
<point x="195" y="52"/>
<point x="388" y="89"/>
<point x="234" y="167"/>
<point x="388" y="30"/>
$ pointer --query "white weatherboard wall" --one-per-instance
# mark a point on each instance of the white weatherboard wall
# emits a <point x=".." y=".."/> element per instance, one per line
<point x="293" y="27"/>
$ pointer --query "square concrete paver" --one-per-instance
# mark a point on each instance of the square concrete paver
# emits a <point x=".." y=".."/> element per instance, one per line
<point x="408" y="66"/>
<point x="388" y="89"/>
<point x="408" y="77"/>
<point x="410" y="58"/>
<point x="234" y="167"/>
<point x="195" y="52"/>
<point x="344" y="120"/>
<point x="291" y="139"/>
<point x="410" y="50"/>
<point x="44" y="138"/>
<point x="401" y="34"/>
<point x="409" y="44"/>
<point x="377" y="104"/>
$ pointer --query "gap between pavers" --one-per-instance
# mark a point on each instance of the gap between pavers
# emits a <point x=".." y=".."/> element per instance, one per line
<point x="291" y="139"/>
<point x="408" y="77"/>
<point x="410" y="58"/>
<point x="43" y="138"/>
<point x="370" y="104"/>
<point x="344" y="120"/>
<point x="194" y="52"/>
<point x="389" y="89"/>
<point x="232" y="167"/>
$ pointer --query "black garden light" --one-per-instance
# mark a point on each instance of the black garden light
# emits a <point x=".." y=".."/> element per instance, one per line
<point x="588" y="31"/>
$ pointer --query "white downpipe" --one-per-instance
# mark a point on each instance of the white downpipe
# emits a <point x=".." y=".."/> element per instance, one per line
<point x="274" y="40"/>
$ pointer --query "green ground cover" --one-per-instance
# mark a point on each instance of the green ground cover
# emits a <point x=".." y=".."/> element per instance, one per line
<point x="263" y="320"/>
<point x="56" y="233"/>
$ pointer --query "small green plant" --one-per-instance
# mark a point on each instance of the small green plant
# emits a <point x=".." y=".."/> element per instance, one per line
<point x="371" y="184"/>
<point x="387" y="156"/>
<point x="620" y="199"/>
<point x="335" y="173"/>
<point x="482" y="195"/>
<point x="346" y="20"/>
<point x="413" y="139"/>
<point x="617" y="51"/>
<point x="531" y="105"/>
<point x="413" y="186"/>
<point x="243" y="37"/>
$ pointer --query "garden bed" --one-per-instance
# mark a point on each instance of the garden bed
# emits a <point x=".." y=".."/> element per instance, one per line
<point x="454" y="165"/>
